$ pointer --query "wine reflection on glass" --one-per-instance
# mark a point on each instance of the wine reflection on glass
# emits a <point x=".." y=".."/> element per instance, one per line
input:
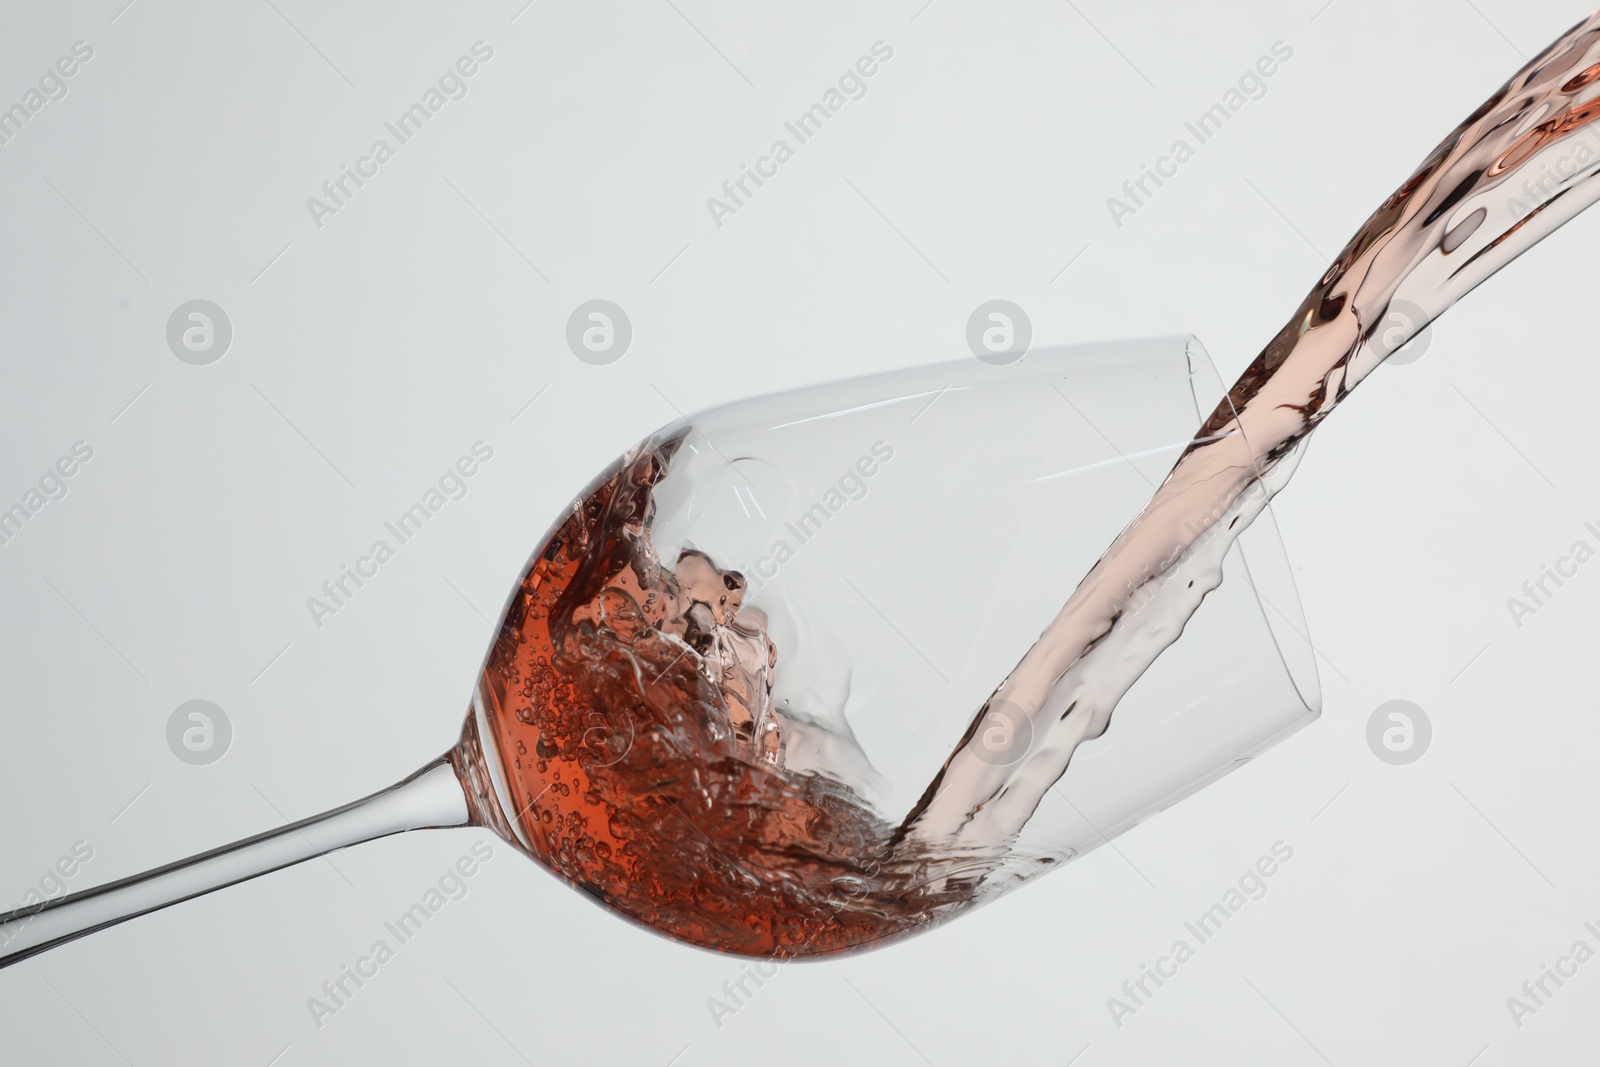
<point x="732" y="669"/>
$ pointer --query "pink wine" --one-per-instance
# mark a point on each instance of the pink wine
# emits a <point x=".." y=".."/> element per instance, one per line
<point x="631" y="705"/>
<point x="629" y="697"/>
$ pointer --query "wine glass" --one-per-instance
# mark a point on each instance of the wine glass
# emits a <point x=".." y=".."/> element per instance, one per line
<point x="730" y="672"/>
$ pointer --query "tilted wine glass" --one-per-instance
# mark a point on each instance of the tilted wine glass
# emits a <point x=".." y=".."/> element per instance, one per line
<point x="746" y="692"/>
<point x="732" y="669"/>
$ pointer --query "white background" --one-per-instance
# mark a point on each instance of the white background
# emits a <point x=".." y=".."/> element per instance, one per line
<point x="376" y="349"/>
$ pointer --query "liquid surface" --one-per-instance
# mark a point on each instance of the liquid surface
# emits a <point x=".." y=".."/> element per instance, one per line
<point x="631" y="704"/>
<point x="630" y="697"/>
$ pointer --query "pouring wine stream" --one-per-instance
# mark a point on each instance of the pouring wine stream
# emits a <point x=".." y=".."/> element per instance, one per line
<point x="1447" y="228"/>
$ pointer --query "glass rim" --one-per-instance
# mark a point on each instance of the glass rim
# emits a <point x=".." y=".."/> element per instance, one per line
<point x="1264" y="555"/>
<point x="1261" y="548"/>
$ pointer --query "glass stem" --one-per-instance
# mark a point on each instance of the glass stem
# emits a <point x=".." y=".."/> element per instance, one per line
<point x="434" y="796"/>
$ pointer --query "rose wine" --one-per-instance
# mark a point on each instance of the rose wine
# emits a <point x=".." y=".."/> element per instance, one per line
<point x="628" y="706"/>
<point x="1517" y="168"/>
<point x="679" y="746"/>
<point x="630" y="701"/>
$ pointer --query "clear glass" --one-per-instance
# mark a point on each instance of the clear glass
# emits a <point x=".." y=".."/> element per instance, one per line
<point x="898" y="541"/>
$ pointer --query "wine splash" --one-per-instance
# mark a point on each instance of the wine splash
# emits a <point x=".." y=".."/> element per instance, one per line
<point x="630" y="703"/>
<point x="1446" y="229"/>
<point x="626" y="731"/>
<point x="630" y="700"/>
